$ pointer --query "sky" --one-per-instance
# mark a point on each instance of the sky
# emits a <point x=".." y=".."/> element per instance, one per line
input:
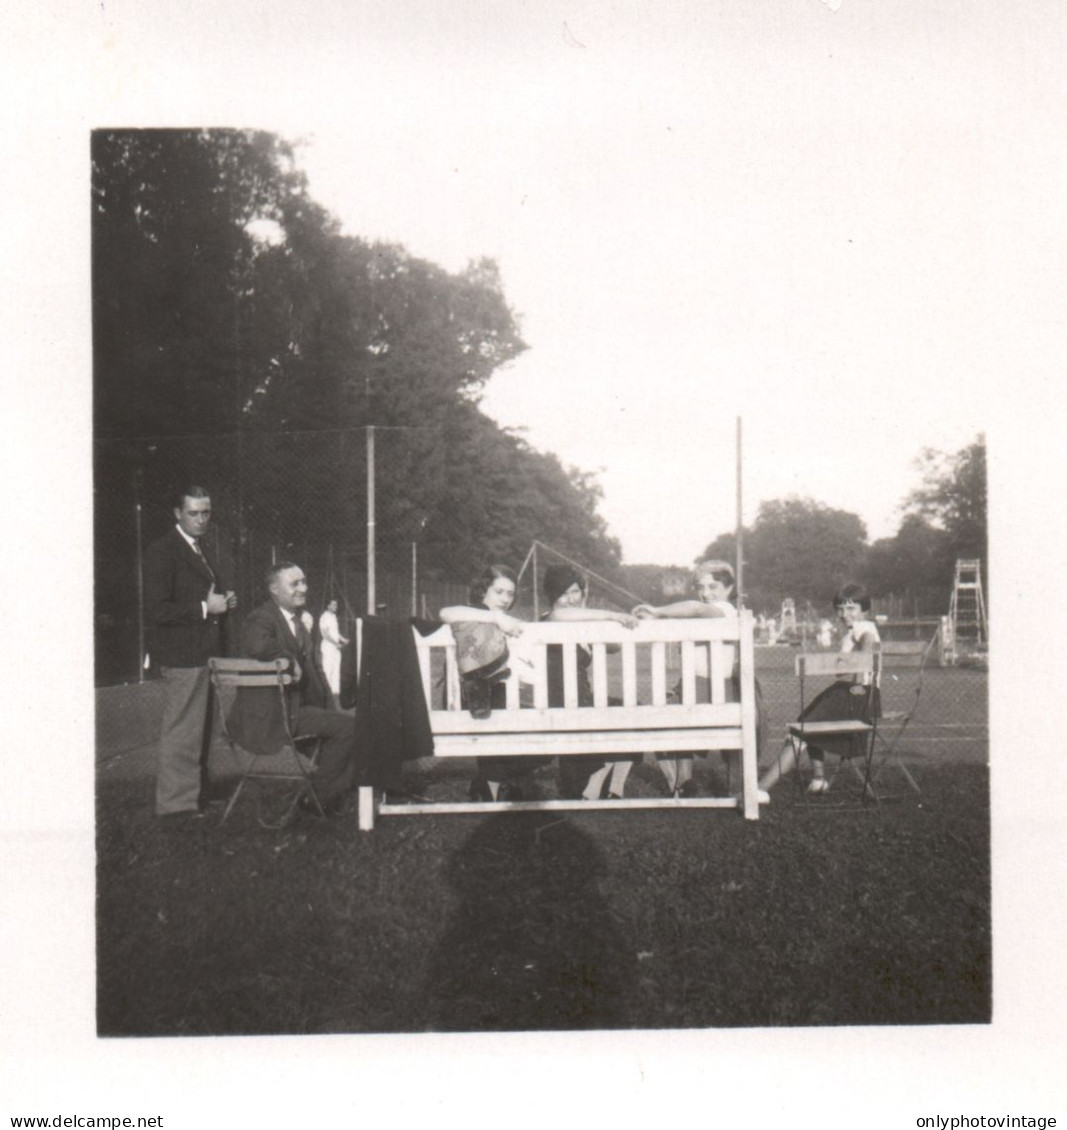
<point x="777" y="212"/>
<point x="845" y="226"/>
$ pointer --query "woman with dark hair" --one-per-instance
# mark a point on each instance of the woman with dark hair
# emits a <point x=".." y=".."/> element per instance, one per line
<point x="580" y="777"/>
<point x="839" y="701"/>
<point x="481" y="629"/>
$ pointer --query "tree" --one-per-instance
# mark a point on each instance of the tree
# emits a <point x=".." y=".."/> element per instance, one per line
<point x="952" y="497"/>
<point x="913" y="565"/>
<point x="173" y="246"/>
<point x="651" y="583"/>
<point x="240" y="338"/>
<point x="796" y="548"/>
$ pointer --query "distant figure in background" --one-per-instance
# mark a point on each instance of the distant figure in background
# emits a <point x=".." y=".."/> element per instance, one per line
<point x="580" y="777"/>
<point x="185" y="602"/>
<point x="837" y="702"/>
<point x="330" y="649"/>
<point x="825" y="635"/>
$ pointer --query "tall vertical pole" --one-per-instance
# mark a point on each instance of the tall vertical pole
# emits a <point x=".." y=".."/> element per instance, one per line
<point x="414" y="577"/>
<point x="536" y="586"/>
<point x="740" y="535"/>
<point x="372" y="605"/>
<point x="140" y="595"/>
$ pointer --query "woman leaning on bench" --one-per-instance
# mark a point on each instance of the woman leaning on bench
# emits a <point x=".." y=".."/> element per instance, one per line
<point x="713" y="583"/>
<point x="581" y="778"/>
<point x="482" y="663"/>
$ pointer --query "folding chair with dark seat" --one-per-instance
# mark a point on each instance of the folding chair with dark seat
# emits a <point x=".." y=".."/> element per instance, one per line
<point x="851" y="736"/>
<point x="296" y="761"/>
<point x="903" y="665"/>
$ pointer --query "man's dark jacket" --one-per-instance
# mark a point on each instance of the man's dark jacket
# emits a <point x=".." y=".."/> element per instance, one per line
<point x="256" y="717"/>
<point x="176" y="582"/>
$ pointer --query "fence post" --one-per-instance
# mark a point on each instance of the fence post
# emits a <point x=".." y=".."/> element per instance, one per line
<point x="140" y="593"/>
<point x="372" y="599"/>
<point x="536" y="583"/>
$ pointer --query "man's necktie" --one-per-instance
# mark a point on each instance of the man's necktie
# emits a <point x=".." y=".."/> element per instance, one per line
<point x="301" y="634"/>
<point x="200" y="553"/>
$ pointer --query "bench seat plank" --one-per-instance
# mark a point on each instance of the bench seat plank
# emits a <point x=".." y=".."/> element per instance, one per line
<point x="563" y="743"/>
<point x="586" y="719"/>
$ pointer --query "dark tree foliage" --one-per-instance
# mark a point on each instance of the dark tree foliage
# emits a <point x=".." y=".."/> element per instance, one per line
<point x="914" y="565"/>
<point x="172" y="256"/>
<point x="796" y="548"/>
<point x="945" y="519"/>
<point x="802" y="549"/>
<point x="953" y="499"/>
<point x="652" y="583"/>
<point x="237" y="328"/>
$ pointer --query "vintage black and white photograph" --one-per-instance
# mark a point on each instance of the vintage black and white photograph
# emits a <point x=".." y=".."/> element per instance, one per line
<point x="337" y="580"/>
<point x="543" y="477"/>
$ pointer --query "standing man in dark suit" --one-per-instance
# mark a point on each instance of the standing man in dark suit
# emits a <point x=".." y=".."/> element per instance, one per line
<point x="185" y="603"/>
<point x="276" y="630"/>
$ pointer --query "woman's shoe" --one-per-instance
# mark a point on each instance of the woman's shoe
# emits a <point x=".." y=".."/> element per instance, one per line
<point x="818" y="785"/>
<point x="762" y="796"/>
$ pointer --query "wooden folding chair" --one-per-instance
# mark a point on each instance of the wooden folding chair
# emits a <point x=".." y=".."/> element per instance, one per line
<point x="903" y="665"/>
<point x="861" y="670"/>
<point x="296" y="761"/>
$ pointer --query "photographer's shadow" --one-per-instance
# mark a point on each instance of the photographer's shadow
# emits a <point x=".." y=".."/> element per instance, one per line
<point x="532" y="944"/>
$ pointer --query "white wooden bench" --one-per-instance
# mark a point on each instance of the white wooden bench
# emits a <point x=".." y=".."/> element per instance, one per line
<point x="641" y="670"/>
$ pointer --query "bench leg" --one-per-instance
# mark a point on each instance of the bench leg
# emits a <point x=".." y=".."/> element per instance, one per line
<point x="366" y="808"/>
<point x="749" y="783"/>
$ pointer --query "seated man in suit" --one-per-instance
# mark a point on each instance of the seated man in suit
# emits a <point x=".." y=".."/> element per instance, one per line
<point x="276" y="630"/>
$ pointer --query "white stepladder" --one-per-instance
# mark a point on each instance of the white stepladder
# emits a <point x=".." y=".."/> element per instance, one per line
<point x="639" y="667"/>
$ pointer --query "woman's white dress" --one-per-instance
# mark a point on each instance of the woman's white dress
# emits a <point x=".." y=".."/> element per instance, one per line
<point x="330" y="650"/>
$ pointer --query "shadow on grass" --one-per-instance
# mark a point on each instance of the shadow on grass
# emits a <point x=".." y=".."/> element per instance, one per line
<point x="531" y="944"/>
<point x="528" y="922"/>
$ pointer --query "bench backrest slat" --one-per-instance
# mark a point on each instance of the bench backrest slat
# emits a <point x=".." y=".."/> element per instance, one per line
<point x="424" y="673"/>
<point x="452" y="700"/>
<point x="659" y="673"/>
<point x="570" y="675"/>
<point x="629" y="673"/>
<point x="717" y="670"/>
<point x="689" y="676"/>
<point x="600" y="674"/>
<point x="540" y="661"/>
<point x="511" y="686"/>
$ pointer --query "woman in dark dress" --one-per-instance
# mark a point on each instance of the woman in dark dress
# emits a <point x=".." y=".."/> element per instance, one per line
<point x="843" y="700"/>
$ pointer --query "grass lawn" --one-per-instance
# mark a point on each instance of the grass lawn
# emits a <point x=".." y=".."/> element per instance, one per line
<point x="810" y="916"/>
